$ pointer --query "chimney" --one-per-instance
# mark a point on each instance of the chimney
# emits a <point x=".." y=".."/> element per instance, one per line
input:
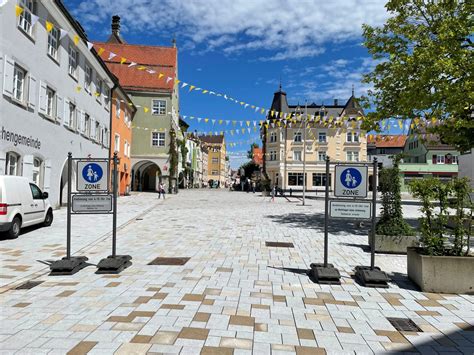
<point x="116" y="25"/>
<point x="336" y="102"/>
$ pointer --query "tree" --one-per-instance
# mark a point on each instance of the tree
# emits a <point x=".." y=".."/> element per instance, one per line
<point x="249" y="167"/>
<point x="425" y="67"/>
<point x="250" y="152"/>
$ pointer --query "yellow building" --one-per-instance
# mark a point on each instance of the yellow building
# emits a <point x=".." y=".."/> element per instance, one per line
<point x="216" y="158"/>
<point x="293" y="134"/>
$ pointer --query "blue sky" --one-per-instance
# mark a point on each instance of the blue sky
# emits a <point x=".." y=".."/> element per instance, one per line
<point x="241" y="48"/>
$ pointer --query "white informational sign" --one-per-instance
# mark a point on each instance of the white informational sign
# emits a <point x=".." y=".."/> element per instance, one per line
<point x="350" y="210"/>
<point x="91" y="203"/>
<point x="92" y="176"/>
<point x="350" y="181"/>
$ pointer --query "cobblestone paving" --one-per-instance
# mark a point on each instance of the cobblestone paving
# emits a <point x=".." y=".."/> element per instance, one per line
<point x="234" y="295"/>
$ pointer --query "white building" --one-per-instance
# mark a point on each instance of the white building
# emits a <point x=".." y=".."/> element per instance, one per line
<point x="54" y="95"/>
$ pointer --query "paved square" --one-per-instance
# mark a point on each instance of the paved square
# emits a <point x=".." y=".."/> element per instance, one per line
<point x="235" y="295"/>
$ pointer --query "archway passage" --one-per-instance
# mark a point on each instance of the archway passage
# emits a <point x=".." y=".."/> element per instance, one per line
<point x="146" y="176"/>
<point x="63" y="184"/>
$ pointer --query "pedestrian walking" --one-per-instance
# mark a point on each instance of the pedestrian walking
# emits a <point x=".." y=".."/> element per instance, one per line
<point x="161" y="190"/>
<point x="253" y="186"/>
<point x="273" y="192"/>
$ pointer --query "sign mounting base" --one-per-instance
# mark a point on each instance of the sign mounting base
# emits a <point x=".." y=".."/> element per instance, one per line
<point x="372" y="277"/>
<point x="328" y="275"/>
<point x="67" y="266"/>
<point x="113" y="264"/>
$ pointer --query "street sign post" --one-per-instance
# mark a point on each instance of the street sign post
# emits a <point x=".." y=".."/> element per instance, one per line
<point x="92" y="197"/>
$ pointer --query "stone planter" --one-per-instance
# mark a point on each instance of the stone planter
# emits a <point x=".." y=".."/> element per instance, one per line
<point x="442" y="274"/>
<point x="394" y="244"/>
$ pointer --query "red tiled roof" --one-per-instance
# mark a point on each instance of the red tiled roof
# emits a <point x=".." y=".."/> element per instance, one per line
<point x="219" y="139"/>
<point x="160" y="59"/>
<point x="387" y="141"/>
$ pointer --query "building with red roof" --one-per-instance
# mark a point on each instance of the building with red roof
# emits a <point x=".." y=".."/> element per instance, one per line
<point x="384" y="147"/>
<point x="149" y="75"/>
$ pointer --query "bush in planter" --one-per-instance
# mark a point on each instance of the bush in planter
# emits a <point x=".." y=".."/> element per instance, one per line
<point x="433" y="226"/>
<point x="391" y="221"/>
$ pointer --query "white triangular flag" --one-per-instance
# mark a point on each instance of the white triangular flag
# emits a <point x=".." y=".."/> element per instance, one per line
<point x="90" y="45"/>
<point x="151" y="71"/>
<point x="34" y="19"/>
<point x="168" y="79"/>
<point x="213" y="122"/>
<point x="62" y="33"/>
<point x="111" y="55"/>
<point x="246" y="105"/>
<point x="199" y="119"/>
<point x="132" y="64"/>
<point x="184" y="85"/>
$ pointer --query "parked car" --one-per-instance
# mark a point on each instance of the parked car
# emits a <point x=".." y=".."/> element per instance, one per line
<point x="22" y="204"/>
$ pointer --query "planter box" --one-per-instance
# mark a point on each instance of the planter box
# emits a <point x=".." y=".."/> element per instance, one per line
<point x="442" y="274"/>
<point x="394" y="244"/>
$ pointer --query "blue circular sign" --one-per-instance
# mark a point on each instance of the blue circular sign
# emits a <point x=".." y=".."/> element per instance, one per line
<point x="351" y="178"/>
<point x="92" y="172"/>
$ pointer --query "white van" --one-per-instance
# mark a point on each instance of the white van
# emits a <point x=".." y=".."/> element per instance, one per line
<point x="22" y="204"/>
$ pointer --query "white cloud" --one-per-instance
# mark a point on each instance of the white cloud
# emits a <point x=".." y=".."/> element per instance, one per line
<point x="290" y="28"/>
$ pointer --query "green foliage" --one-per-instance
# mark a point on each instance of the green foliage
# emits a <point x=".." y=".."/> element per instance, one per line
<point x="250" y="152"/>
<point x="173" y="152"/>
<point x="250" y="167"/>
<point x="425" y="67"/>
<point x="391" y="221"/>
<point x="434" y="223"/>
<point x="184" y="151"/>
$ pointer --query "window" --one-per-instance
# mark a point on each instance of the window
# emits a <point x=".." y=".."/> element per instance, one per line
<point x="125" y="149"/>
<point x="12" y="164"/>
<point x="71" y="117"/>
<point x="117" y="143"/>
<point x="273" y="155"/>
<point x="215" y="172"/>
<point x="352" y="156"/>
<point x="273" y="137"/>
<point x="25" y="17"/>
<point x="19" y="77"/>
<point x="352" y="137"/>
<point x="106" y="97"/>
<point x="88" y="78"/>
<point x="295" y="179"/>
<point x="117" y="108"/>
<point x="50" y="102"/>
<point x="319" y="179"/>
<point x="53" y="43"/>
<point x="97" y="131"/>
<point x="454" y="159"/>
<point x="297" y="155"/>
<point x="98" y="89"/>
<point x="322" y="156"/>
<point x="105" y="138"/>
<point x="215" y="160"/>
<point x="73" y="56"/>
<point x="297" y="137"/>
<point x="38" y="171"/>
<point x="322" y="137"/>
<point x="440" y="159"/>
<point x="382" y="151"/>
<point x="36" y="192"/>
<point x="157" y="139"/>
<point x="158" y="107"/>
<point x="87" y="125"/>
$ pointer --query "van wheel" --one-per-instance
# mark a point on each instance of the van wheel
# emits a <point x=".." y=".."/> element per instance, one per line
<point x="15" y="227"/>
<point x="48" y="220"/>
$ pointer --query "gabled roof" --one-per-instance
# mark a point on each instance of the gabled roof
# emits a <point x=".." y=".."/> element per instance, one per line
<point x="219" y="139"/>
<point x="160" y="59"/>
<point x="387" y="141"/>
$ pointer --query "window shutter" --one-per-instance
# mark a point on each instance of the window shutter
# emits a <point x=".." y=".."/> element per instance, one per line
<point x="82" y="123"/>
<point x="8" y="69"/>
<point x="42" y="99"/>
<point x="32" y="92"/>
<point x="92" y="128"/>
<point x="66" y="112"/>
<point x="435" y="157"/>
<point x="59" y="108"/>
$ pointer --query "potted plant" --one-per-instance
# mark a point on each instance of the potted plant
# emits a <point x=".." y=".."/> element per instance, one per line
<point x="392" y="233"/>
<point x="443" y="262"/>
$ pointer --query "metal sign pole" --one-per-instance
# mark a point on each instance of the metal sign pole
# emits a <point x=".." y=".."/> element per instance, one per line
<point x="68" y="228"/>
<point x="304" y="151"/>
<point x="114" y="216"/>
<point x="374" y="213"/>
<point x="326" y="214"/>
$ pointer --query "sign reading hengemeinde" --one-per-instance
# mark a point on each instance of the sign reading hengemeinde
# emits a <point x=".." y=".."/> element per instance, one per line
<point x="92" y="176"/>
<point x="350" y="181"/>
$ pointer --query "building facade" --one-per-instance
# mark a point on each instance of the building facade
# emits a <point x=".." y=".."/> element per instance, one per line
<point x="156" y="124"/>
<point x="123" y="111"/>
<point x="426" y="156"/>
<point x="216" y="157"/>
<point x="289" y="142"/>
<point x="55" y="95"/>
<point x="385" y="147"/>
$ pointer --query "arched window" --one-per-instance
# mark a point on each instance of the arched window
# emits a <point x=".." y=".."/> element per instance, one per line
<point x="13" y="164"/>
<point x="38" y="172"/>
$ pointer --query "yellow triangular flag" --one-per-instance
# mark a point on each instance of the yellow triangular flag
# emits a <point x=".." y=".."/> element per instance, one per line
<point x="191" y="88"/>
<point x="146" y="109"/>
<point x="78" y="88"/>
<point x="160" y="75"/>
<point x="123" y="60"/>
<point x="262" y="110"/>
<point x="177" y="81"/>
<point x="206" y="120"/>
<point x="248" y="123"/>
<point x="18" y="10"/>
<point x="141" y="67"/>
<point x="49" y="26"/>
<point x="100" y="51"/>
<point x="220" y="121"/>
<point x="76" y="39"/>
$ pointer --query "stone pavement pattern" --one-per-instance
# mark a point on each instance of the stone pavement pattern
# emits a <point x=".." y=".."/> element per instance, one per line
<point x="233" y="296"/>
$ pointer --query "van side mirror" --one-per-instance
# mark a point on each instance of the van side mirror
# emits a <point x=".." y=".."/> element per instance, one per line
<point x="45" y="195"/>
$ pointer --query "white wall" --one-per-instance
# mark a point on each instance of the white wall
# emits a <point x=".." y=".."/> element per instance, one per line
<point x="27" y="119"/>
